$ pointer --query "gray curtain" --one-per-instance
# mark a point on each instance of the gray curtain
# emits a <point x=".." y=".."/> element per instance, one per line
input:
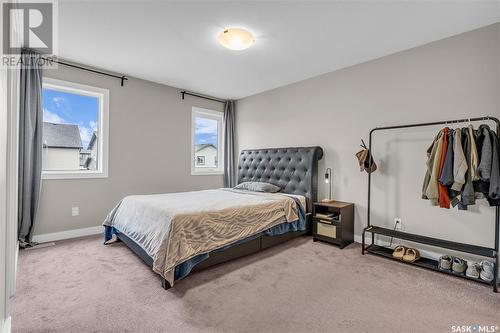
<point x="229" y="176"/>
<point x="30" y="145"/>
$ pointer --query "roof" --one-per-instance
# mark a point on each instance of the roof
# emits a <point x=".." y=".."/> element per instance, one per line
<point x="61" y="136"/>
<point x="92" y="141"/>
<point x="203" y="146"/>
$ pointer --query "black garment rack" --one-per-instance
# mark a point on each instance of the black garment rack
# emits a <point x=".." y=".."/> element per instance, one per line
<point x="442" y="243"/>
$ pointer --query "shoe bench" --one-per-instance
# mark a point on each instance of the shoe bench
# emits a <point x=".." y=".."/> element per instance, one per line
<point x="423" y="262"/>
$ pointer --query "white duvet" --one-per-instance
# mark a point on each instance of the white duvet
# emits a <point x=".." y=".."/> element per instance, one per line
<point x="175" y="227"/>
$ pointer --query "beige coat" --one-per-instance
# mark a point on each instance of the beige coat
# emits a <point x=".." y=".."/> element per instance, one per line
<point x="459" y="162"/>
<point x="430" y="189"/>
<point x="474" y="158"/>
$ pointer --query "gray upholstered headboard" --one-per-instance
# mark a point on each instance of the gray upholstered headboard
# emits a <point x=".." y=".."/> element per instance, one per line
<point x="294" y="170"/>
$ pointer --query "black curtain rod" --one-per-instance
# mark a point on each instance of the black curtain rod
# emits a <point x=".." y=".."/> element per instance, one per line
<point x="122" y="78"/>
<point x="202" y="96"/>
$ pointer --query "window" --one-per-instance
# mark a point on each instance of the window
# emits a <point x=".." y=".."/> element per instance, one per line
<point x="206" y="139"/>
<point x="75" y="130"/>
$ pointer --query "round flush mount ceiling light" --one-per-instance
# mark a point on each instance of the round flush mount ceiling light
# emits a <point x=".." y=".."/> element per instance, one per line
<point x="236" y="39"/>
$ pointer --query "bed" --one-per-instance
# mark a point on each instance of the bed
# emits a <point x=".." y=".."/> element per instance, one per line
<point x="178" y="233"/>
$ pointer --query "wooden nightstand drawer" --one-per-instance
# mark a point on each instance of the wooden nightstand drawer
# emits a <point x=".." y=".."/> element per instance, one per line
<point x="326" y="230"/>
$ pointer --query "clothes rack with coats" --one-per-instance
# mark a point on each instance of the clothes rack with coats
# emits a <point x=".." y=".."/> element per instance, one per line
<point x="445" y="186"/>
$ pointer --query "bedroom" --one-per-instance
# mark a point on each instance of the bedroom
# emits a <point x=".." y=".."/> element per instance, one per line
<point x="151" y="112"/>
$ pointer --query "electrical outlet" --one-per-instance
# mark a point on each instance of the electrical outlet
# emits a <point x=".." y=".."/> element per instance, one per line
<point x="75" y="211"/>
<point x="398" y="223"/>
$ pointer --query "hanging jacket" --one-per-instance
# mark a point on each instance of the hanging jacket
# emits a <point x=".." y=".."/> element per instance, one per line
<point x="483" y="143"/>
<point x="468" y="195"/>
<point x="494" y="190"/>
<point x="459" y="162"/>
<point x="443" y="197"/>
<point x="474" y="159"/>
<point x="431" y="154"/>
<point x="484" y="150"/>
<point x="432" y="191"/>
<point x="446" y="177"/>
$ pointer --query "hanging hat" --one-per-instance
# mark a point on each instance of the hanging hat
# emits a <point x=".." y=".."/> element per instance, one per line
<point x="365" y="160"/>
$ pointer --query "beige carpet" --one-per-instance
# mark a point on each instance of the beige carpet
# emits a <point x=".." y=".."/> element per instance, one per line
<point x="300" y="286"/>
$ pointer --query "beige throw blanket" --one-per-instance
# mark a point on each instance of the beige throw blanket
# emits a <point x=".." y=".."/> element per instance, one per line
<point x="175" y="227"/>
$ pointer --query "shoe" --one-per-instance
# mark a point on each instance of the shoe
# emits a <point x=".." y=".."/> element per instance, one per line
<point x="458" y="266"/>
<point x="411" y="255"/>
<point x="399" y="252"/>
<point x="112" y="240"/>
<point x="486" y="273"/>
<point x="473" y="270"/>
<point x="445" y="262"/>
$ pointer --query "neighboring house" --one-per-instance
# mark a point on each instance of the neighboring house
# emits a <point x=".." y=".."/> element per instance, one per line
<point x="91" y="162"/>
<point x="61" y="147"/>
<point x="206" y="156"/>
<point x="84" y="158"/>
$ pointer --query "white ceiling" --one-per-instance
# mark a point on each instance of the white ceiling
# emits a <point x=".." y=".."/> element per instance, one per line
<point x="174" y="43"/>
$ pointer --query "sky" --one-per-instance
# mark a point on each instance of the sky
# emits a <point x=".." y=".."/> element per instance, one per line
<point x="206" y="131"/>
<point x="66" y="108"/>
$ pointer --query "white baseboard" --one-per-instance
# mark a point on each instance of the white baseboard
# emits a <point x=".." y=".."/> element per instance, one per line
<point x="6" y="327"/>
<point x="55" y="236"/>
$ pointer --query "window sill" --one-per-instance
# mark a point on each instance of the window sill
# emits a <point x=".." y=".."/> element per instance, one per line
<point x="73" y="175"/>
<point x="207" y="173"/>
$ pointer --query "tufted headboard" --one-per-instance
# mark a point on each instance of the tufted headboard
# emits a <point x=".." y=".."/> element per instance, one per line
<point x="294" y="170"/>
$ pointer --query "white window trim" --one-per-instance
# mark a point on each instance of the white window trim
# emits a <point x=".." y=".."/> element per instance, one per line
<point x="103" y="123"/>
<point x="211" y="114"/>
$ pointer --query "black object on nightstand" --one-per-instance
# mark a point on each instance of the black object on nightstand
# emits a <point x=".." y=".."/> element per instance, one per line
<point x="333" y="222"/>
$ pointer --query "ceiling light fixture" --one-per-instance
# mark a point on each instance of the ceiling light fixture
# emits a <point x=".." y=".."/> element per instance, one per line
<point x="236" y="39"/>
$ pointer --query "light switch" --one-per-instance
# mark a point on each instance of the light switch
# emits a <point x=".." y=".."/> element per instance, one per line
<point x="75" y="211"/>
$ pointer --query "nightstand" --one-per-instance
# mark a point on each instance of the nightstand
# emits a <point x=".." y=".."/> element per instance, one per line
<point x="333" y="222"/>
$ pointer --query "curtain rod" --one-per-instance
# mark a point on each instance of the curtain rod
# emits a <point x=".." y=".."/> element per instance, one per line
<point x="184" y="92"/>
<point x="122" y="78"/>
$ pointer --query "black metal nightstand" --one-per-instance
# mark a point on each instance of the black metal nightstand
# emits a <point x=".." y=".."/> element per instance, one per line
<point x="333" y="222"/>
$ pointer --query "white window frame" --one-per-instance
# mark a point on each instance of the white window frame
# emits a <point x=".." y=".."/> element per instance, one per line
<point x="210" y="114"/>
<point x="103" y="129"/>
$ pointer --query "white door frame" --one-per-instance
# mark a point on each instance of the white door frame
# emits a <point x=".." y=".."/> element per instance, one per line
<point x="4" y="298"/>
<point x="4" y="252"/>
<point x="12" y="178"/>
<point x="9" y="137"/>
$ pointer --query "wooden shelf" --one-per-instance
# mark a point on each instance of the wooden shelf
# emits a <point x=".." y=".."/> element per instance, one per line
<point x="422" y="262"/>
<point x="334" y="204"/>
<point x="466" y="248"/>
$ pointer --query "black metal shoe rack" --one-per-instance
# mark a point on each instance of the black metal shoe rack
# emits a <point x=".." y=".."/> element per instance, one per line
<point x="442" y="243"/>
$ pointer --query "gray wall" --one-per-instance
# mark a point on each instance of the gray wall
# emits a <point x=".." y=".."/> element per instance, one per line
<point x="452" y="78"/>
<point x="149" y="152"/>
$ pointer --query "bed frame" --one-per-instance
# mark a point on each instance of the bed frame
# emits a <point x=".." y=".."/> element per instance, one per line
<point x="294" y="170"/>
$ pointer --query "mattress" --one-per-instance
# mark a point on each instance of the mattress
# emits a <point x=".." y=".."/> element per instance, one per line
<point x="175" y="227"/>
